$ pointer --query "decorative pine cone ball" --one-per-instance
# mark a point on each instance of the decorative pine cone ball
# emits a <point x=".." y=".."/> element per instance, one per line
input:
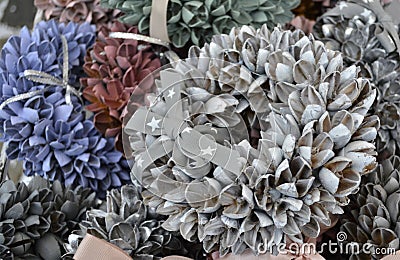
<point x="114" y="68"/>
<point x="67" y="147"/>
<point x="367" y="37"/>
<point x="196" y="21"/>
<point x="386" y="76"/>
<point x="54" y="139"/>
<point x="77" y="11"/>
<point x="362" y="31"/>
<point x="192" y="142"/>
<point x="375" y="211"/>
<point x="310" y="10"/>
<point x="133" y="227"/>
<point x="39" y="50"/>
<point x="36" y="219"/>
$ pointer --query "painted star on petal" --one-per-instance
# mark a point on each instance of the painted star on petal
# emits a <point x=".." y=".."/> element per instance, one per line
<point x="342" y="5"/>
<point x="208" y="151"/>
<point x="366" y="12"/>
<point x="140" y="162"/>
<point x="154" y="124"/>
<point x="171" y="93"/>
<point x="187" y="130"/>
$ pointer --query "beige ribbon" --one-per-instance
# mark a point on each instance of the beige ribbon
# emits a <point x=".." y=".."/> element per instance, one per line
<point x="170" y="55"/>
<point x="38" y="17"/>
<point x="158" y="20"/>
<point x="158" y="26"/>
<point x="92" y="247"/>
<point x="47" y="79"/>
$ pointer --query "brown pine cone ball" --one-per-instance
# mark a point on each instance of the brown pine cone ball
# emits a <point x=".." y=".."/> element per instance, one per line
<point x="76" y="11"/>
<point x="114" y="68"/>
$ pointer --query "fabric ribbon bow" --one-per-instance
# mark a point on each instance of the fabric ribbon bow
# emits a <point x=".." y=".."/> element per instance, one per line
<point x="192" y="148"/>
<point x="47" y="79"/>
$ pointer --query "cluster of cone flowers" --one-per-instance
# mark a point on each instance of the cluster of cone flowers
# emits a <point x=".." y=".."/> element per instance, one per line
<point x="211" y="129"/>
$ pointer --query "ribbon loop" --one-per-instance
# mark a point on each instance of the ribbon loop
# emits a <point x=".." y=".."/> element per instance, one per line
<point x="47" y="79"/>
<point x="138" y="37"/>
<point x="158" y="20"/>
<point x="92" y="247"/>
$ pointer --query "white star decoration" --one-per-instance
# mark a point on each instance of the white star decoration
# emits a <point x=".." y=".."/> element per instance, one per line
<point x="208" y="151"/>
<point x="187" y="130"/>
<point x="154" y="124"/>
<point x="171" y="93"/>
<point x="342" y="5"/>
<point x="366" y="12"/>
<point x="140" y="162"/>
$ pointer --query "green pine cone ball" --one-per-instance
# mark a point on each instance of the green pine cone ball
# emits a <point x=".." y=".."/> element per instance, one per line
<point x="196" y="21"/>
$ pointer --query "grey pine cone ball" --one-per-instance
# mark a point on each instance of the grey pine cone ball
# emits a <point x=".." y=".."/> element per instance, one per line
<point x="375" y="211"/>
<point x="37" y="218"/>
<point x="273" y="137"/>
<point x="367" y="37"/>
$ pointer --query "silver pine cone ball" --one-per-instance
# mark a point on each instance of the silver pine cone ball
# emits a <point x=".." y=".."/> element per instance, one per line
<point x="135" y="228"/>
<point x="268" y="136"/>
<point x="375" y="211"/>
<point x="36" y="219"/>
<point x="367" y="37"/>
